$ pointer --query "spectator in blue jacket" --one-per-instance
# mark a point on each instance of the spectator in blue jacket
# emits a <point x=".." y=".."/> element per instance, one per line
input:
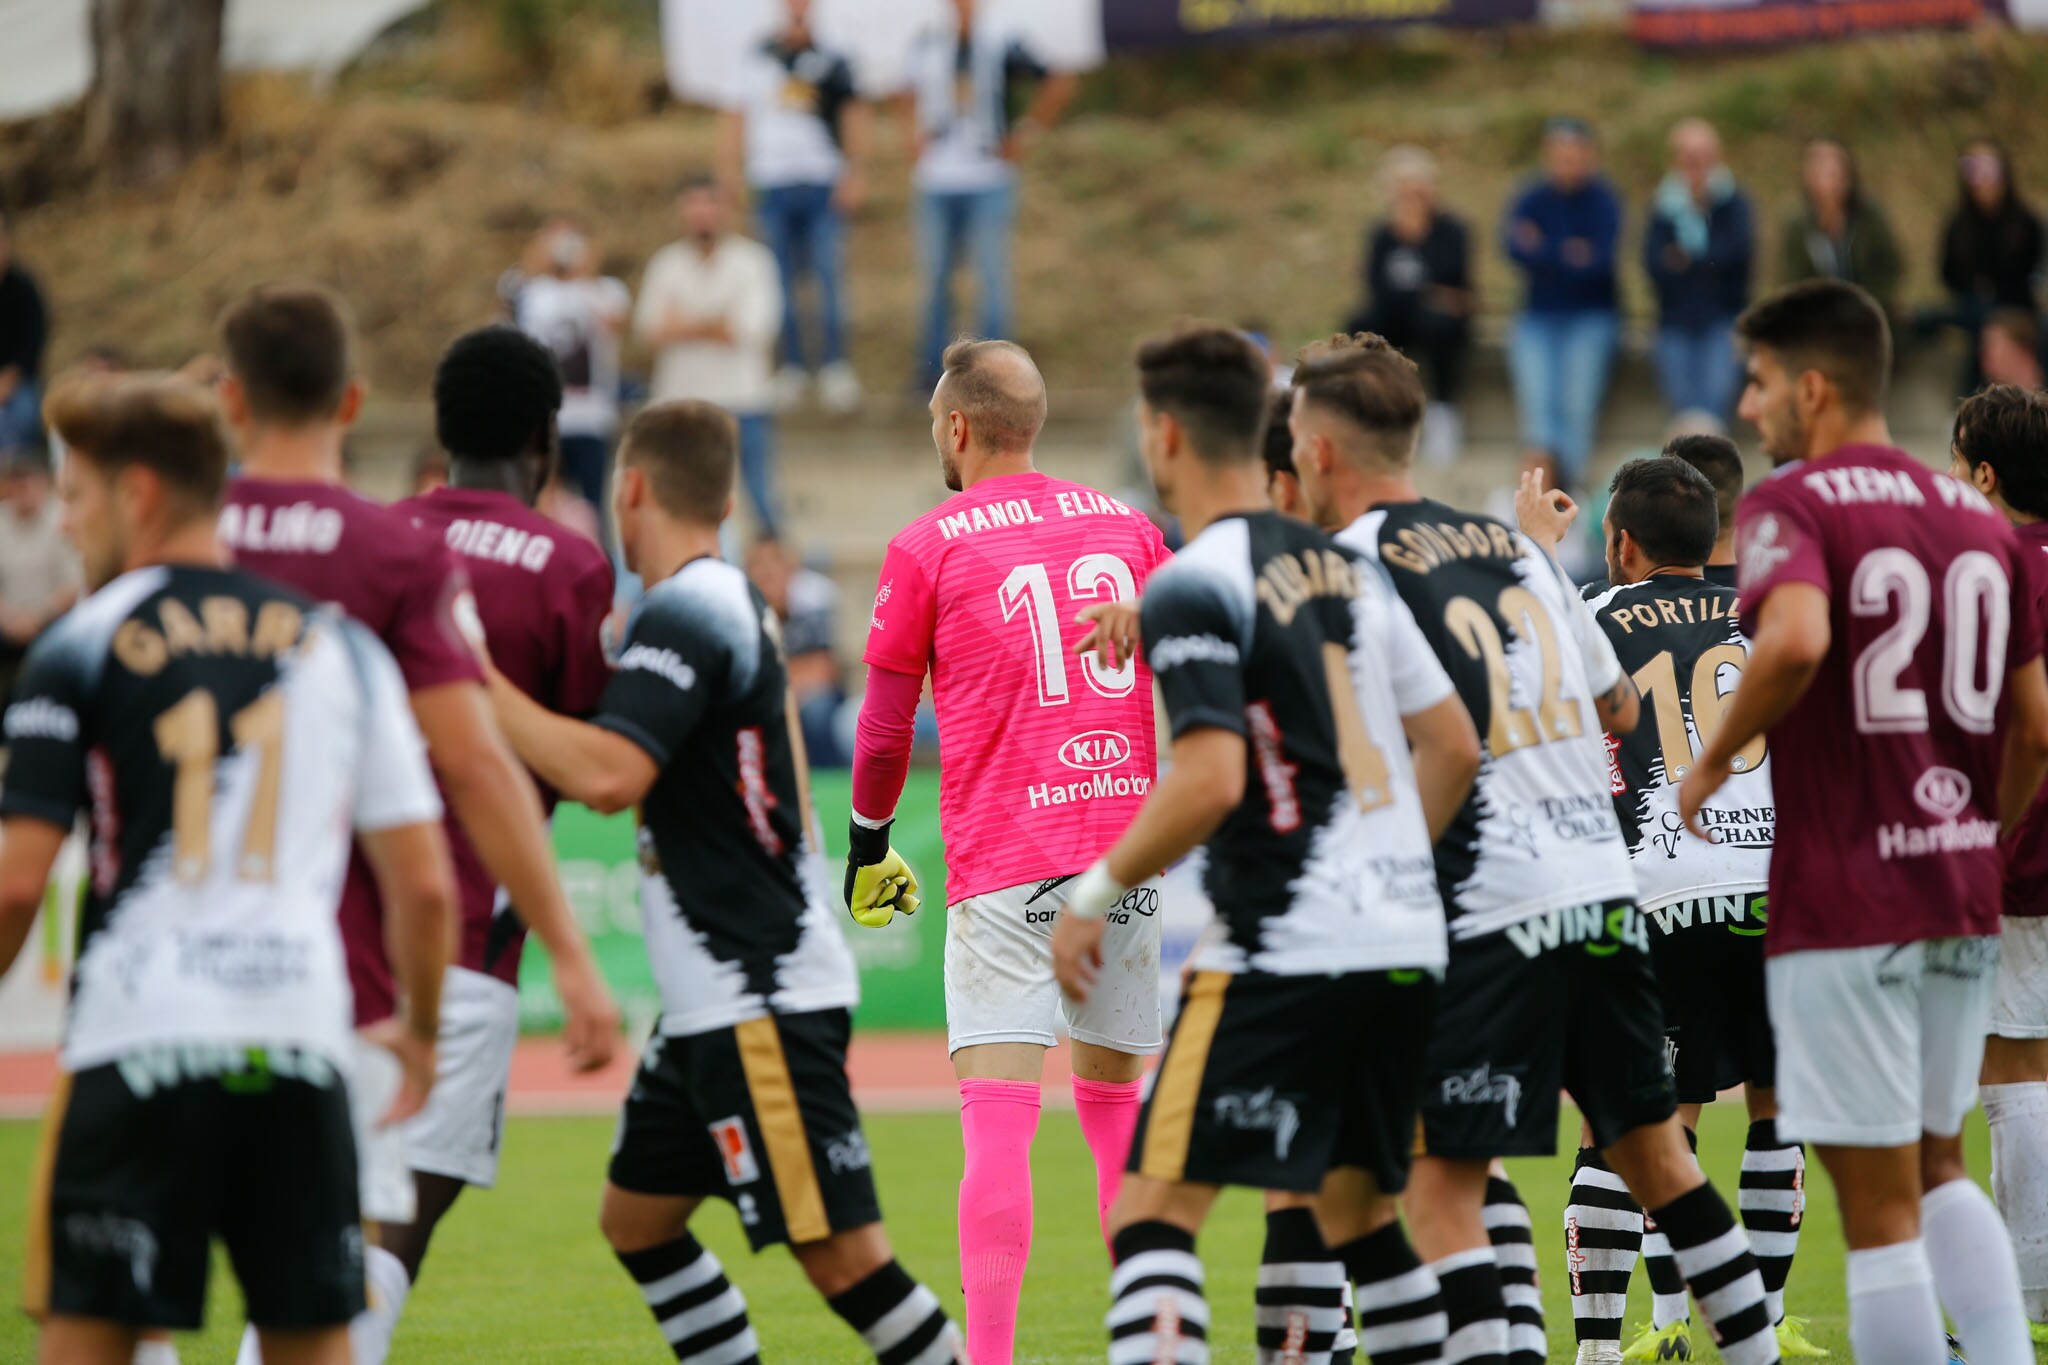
<point x="1561" y="229"/>
<point x="1697" y="252"/>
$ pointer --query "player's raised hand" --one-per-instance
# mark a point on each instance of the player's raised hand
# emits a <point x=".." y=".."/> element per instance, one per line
<point x="1545" y="515"/>
<point x="416" y="1066"/>
<point x="1113" y="631"/>
<point x="1077" y="955"/>
<point x="879" y="884"/>
<point x="590" y="1027"/>
<point x="1699" y="787"/>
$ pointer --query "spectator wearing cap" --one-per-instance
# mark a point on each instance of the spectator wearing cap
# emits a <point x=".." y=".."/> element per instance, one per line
<point x="968" y="79"/>
<point x="2009" y="350"/>
<point x="1697" y="251"/>
<point x="1561" y="230"/>
<point x="24" y="331"/>
<point x="1837" y="231"/>
<point x="39" y="571"/>
<point x="798" y="135"/>
<point x="1418" y="288"/>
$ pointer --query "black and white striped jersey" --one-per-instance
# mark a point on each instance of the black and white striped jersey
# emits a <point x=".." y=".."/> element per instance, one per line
<point x="1267" y="628"/>
<point x="1538" y="833"/>
<point x="736" y="926"/>
<point x="1679" y="640"/>
<point x="224" y="737"/>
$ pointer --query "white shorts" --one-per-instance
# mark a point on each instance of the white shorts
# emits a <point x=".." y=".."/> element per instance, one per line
<point x="457" y="1133"/>
<point x="999" y="982"/>
<point x="382" y="1175"/>
<point x="2019" y="1008"/>
<point x="1879" y="1045"/>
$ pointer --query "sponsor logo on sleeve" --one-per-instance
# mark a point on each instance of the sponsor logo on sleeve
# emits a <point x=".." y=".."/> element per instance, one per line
<point x="1095" y="750"/>
<point x="1764" y="549"/>
<point x="1176" y="650"/>
<point x="736" y="1150"/>
<point x="41" y="718"/>
<point x="663" y="663"/>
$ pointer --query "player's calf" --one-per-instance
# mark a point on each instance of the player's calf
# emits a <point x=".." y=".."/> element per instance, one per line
<point x="899" y="1319"/>
<point x="1514" y="1251"/>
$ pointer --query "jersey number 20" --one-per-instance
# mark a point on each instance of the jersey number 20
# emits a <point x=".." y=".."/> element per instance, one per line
<point x="1029" y="589"/>
<point x="1976" y="618"/>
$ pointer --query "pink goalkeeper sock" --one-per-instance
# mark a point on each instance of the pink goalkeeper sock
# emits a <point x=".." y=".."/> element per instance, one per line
<point x="1108" y="1111"/>
<point x="998" y="1119"/>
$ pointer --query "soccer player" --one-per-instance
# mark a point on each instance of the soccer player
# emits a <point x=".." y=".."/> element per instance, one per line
<point x="742" y="1093"/>
<point x="1718" y="458"/>
<point x="542" y="595"/>
<point x="223" y="736"/>
<point x="1894" y="666"/>
<point x="290" y="397"/>
<point x="1294" y="683"/>
<point x="1675" y="633"/>
<point x="1043" y="760"/>
<point x="2001" y="448"/>
<point x="1549" y="984"/>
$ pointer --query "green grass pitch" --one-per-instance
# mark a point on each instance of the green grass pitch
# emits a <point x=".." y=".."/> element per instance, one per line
<point x="519" y="1273"/>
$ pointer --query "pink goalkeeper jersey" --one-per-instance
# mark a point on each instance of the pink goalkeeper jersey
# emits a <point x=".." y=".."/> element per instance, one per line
<point x="1043" y="757"/>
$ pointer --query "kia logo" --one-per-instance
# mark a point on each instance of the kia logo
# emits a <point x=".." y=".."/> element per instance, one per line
<point x="1942" y="792"/>
<point x="1095" y="750"/>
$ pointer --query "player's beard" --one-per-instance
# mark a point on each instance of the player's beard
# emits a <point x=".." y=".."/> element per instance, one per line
<point x="950" y="472"/>
<point x="1786" y="442"/>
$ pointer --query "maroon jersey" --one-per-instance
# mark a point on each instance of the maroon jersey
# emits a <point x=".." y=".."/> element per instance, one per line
<point x="2026" y="866"/>
<point x="1886" y="770"/>
<point x="542" y="593"/>
<point x="335" y="546"/>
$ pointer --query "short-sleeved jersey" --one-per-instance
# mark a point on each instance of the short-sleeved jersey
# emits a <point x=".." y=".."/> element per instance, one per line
<point x="1538" y="832"/>
<point x="1678" y="639"/>
<point x="223" y="737"/>
<point x="1043" y="757"/>
<point x="542" y="594"/>
<point x="735" y="927"/>
<point x="1267" y="628"/>
<point x="2026" y="863"/>
<point x="1887" y="767"/>
<point x="332" y="545"/>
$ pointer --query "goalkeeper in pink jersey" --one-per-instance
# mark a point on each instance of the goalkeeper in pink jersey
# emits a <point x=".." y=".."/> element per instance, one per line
<point x="1044" y="759"/>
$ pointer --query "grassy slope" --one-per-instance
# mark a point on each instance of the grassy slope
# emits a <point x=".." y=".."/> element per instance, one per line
<point x="520" y="1275"/>
<point x="1222" y="185"/>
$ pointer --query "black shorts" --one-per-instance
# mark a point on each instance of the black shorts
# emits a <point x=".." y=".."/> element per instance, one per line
<point x="759" y="1115"/>
<point x="1271" y="1082"/>
<point x="1566" y="1001"/>
<point x="148" y="1159"/>
<point x="1710" y="973"/>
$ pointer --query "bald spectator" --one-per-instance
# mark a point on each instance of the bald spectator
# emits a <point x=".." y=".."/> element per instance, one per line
<point x="24" y="330"/>
<point x="1697" y="251"/>
<point x="39" y="571"/>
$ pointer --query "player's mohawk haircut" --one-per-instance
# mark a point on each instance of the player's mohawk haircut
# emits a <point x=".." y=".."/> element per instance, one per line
<point x="1366" y="381"/>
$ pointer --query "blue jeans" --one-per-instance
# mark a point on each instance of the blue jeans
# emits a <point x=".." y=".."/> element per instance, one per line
<point x="803" y="228"/>
<point x="21" y="416"/>
<point x="950" y="226"/>
<point x="1560" y="362"/>
<point x="757" y="469"/>
<point x="1697" y="368"/>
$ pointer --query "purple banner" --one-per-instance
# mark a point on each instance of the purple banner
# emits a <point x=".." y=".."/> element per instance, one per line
<point x="1769" y="23"/>
<point x="1129" y="24"/>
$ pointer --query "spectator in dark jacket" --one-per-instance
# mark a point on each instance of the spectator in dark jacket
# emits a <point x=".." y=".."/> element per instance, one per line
<point x="24" y="329"/>
<point x="1561" y="229"/>
<point x="1418" y="287"/>
<point x="1838" y="232"/>
<point x="1697" y="252"/>
<point x="1990" y="252"/>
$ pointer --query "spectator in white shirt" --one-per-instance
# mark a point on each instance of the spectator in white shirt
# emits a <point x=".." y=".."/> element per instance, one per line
<point x="710" y="305"/>
<point x="966" y="82"/>
<point x="560" y="300"/>
<point x="39" y="570"/>
<point x="799" y="136"/>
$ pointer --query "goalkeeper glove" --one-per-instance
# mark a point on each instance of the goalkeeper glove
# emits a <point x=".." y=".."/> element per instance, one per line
<point x="878" y="882"/>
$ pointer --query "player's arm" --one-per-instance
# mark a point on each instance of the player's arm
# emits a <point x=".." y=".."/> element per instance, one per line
<point x="1620" y="707"/>
<point x="2026" y="743"/>
<point x="595" y="767"/>
<point x="878" y="880"/>
<point x="1446" y="750"/>
<point x="28" y="851"/>
<point x="44" y="788"/>
<point x="417" y="884"/>
<point x="1789" y="643"/>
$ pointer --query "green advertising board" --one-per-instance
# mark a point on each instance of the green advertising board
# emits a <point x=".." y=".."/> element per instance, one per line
<point x="901" y="967"/>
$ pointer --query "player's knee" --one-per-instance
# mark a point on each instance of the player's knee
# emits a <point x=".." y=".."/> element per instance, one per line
<point x="1941" y="1161"/>
<point x="844" y="1259"/>
<point x="631" y="1224"/>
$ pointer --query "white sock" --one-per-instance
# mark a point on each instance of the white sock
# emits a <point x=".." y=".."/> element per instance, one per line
<point x="155" y="1353"/>
<point x="1974" y="1273"/>
<point x="2019" y="1181"/>
<point x="386" y="1284"/>
<point x="1893" y="1316"/>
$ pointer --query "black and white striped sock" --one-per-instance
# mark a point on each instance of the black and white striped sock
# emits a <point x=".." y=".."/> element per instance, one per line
<point x="697" y="1308"/>
<point x="1715" y="1259"/>
<point x="1400" y="1310"/>
<point x="1772" y="1197"/>
<point x="1668" y="1300"/>
<point x="1514" y="1251"/>
<point x="1300" y="1298"/>
<point x="1157" y="1315"/>
<point x="1603" y="1232"/>
<point x="1475" y="1315"/>
<point x="1345" y="1352"/>
<point x="899" y="1319"/>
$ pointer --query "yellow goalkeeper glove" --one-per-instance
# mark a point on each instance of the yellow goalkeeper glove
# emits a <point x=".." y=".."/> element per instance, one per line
<point x="878" y="882"/>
